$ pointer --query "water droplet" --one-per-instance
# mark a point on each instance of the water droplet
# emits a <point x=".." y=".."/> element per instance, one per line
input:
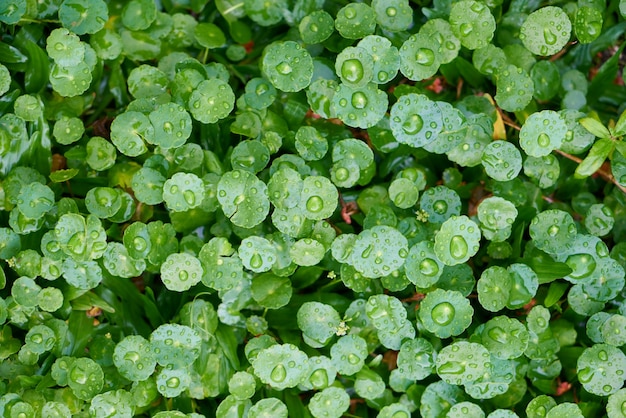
<point x="429" y="267"/>
<point x="353" y="359"/>
<point x="440" y="207"/>
<point x="284" y="68"/>
<point x="600" y="223"/>
<point x="256" y="261"/>
<point x="168" y="128"/>
<point x="132" y="356"/>
<point x="391" y="11"/>
<point x="412" y="124"/>
<point x="352" y="70"/>
<point x="549" y="36"/>
<point x="451" y="367"/>
<point x="183" y="275"/>
<point x="190" y="197"/>
<point x="602" y="355"/>
<point x="36" y="338"/>
<point x="443" y="314"/>
<point x="585" y="375"/>
<point x="261" y="89"/>
<point x="477" y="7"/>
<point x="359" y="100"/>
<point x="425" y="56"/>
<point x="466" y="28"/>
<point x="342" y="174"/>
<point x="458" y="247"/>
<point x="278" y="374"/>
<point x="315" y="204"/>
<point x="498" y="334"/>
<point x="543" y="140"/>
<point x="319" y="378"/>
<point x="140" y="244"/>
<point x="349" y="12"/>
<point x="367" y="251"/>
<point x="172" y="382"/>
<point x="553" y="230"/>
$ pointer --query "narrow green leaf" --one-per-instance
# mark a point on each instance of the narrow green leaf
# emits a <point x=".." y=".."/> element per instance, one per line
<point x="595" y="127"/>
<point x="620" y="126"/>
<point x="594" y="160"/>
<point x="555" y="292"/>
<point x="60" y="176"/>
<point x="546" y="269"/>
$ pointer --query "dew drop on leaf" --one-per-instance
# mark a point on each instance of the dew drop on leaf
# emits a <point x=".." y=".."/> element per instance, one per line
<point x="189" y="197"/>
<point x="458" y="247"/>
<point x="451" y="367"/>
<point x="602" y="355"/>
<point x="466" y="29"/>
<point x="429" y="267"/>
<point x="319" y="378"/>
<point x="352" y="70"/>
<point x="284" y="68"/>
<point x="413" y="124"/>
<point x="353" y="359"/>
<point x="543" y="140"/>
<point x="549" y="37"/>
<point x="173" y="382"/>
<point x="425" y="56"/>
<point x="585" y="375"/>
<point x="256" y="261"/>
<point x="443" y="314"/>
<point x="278" y="374"/>
<point x="498" y="334"/>
<point x="359" y="100"/>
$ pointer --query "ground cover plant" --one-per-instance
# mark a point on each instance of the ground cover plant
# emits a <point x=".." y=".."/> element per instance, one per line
<point x="312" y="208"/>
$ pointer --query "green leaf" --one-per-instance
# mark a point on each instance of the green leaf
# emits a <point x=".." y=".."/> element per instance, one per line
<point x="595" y="127"/>
<point x="331" y="402"/>
<point x="85" y="377"/>
<point x="445" y="313"/>
<point x="243" y="198"/>
<point x="457" y="240"/>
<point x="588" y="24"/>
<point x="546" y="31"/>
<point x="419" y="57"/>
<point x="211" y="101"/>
<point x="134" y="358"/>
<point x="472" y="23"/>
<point x="462" y="362"/>
<point x="514" y="88"/>
<point x="415" y="120"/>
<point x="316" y="27"/>
<point x="355" y="21"/>
<point x="351" y="348"/>
<point x="139" y="14"/>
<point x="593" y="362"/>
<point x="596" y="157"/>
<point x="271" y="291"/>
<point x="281" y="366"/>
<point x="179" y="355"/>
<point x="83" y="16"/>
<point x="12" y="11"/>
<point x="288" y="66"/>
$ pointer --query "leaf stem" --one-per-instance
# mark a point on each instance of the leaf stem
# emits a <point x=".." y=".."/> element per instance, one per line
<point x="601" y="172"/>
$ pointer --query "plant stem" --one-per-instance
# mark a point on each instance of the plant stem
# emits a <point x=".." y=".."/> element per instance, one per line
<point x="606" y="175"/>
